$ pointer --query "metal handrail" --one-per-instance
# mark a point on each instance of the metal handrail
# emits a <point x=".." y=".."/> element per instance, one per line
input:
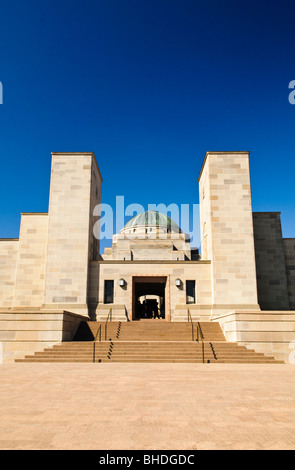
<point x="200" y="335"/>
<point x="106" y="325"/>
<point x="189" y="318"/>
<point x="98" y="332"/>
<point x="95" y="339"/>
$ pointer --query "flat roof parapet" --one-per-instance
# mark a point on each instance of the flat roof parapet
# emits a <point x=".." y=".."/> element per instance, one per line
<point x="80" y="153"/>
<point x="235" y="152"/>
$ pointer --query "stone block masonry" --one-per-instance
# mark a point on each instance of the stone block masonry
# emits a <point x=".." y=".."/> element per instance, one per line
<point x="289" y="245"/>
<point x="227" y="229"/>
<point x="74" y="191"/>
<point x="30" y="265"/>
<point x="8" y="258"/>
<point x="270" y="261"/>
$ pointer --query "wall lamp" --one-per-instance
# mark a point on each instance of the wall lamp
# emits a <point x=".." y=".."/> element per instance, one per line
<point x="122" y="282"/>
<point x="178" y="282"/>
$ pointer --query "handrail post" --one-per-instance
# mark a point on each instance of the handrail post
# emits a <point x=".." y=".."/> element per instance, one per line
<point x="200" y="334"/>
<point x="189" y="318"/>
<point x="106" y="325"/>
<point x="98" y="334"/>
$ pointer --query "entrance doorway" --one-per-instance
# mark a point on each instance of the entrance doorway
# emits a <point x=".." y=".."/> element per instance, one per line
<point x="149" y="298"/>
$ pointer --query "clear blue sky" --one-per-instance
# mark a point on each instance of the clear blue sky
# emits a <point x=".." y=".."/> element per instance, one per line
<point x="149" y="86"/>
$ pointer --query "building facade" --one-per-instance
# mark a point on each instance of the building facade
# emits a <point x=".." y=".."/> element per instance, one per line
<point x="244" y="265"/>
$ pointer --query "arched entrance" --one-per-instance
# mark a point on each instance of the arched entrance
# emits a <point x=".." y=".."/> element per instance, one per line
<point x="150" y="299"/>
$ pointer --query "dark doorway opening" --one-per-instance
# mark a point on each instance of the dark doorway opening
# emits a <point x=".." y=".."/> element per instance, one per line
<point x="149" y="298"/>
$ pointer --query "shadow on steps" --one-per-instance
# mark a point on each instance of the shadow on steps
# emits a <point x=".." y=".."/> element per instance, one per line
<point x="84" y="333"/>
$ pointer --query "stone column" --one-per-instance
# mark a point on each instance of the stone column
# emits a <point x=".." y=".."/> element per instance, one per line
<point x="227" y="230"/>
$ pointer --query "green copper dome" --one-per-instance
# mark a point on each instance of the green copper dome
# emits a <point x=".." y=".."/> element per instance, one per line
<point x="152" y="218"/>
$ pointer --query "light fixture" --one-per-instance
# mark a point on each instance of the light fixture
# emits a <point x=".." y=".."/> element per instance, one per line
<point x="122" y="282"/>
<point x="178" y="282"/>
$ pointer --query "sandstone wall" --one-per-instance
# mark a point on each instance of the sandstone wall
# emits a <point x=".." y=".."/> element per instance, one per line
<point x="227" y="229"/>
<point x="270" y="261"/>
<point x="8" y="260"/>
<point x="289" y="245"/>
<point x="31" y="259"/>
<point x="176" y="300"/>
<point x="74" y="191"/>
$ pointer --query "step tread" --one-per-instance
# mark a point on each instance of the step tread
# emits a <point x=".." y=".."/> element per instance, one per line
<point x="148" y="341"/>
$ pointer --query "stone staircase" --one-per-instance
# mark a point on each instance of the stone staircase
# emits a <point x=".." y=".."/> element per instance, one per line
<point x="154" y="341"/>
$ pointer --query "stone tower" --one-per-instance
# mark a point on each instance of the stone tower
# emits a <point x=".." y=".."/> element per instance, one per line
<point x="75" y="190"/>
<point x="227" y="230"/>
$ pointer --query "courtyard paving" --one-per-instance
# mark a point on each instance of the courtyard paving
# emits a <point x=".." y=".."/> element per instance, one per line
<point x="147" y="406"/>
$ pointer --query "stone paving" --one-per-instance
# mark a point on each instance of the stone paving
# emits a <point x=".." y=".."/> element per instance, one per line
<point x="147" y="406"/>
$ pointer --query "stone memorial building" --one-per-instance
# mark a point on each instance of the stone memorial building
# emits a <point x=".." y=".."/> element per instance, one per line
<point x="53" y="276"/>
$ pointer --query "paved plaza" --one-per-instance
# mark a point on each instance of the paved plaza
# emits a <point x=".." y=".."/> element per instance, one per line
<point x="147" y="406"/>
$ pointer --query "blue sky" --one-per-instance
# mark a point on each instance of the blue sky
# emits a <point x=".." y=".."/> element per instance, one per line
<point x="149" y="86"/>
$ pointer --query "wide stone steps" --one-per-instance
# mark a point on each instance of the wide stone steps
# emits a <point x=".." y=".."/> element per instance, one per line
<point x="156" y="330"/>
<point x="147" y="352"/>
<point x="149" y="342"/>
